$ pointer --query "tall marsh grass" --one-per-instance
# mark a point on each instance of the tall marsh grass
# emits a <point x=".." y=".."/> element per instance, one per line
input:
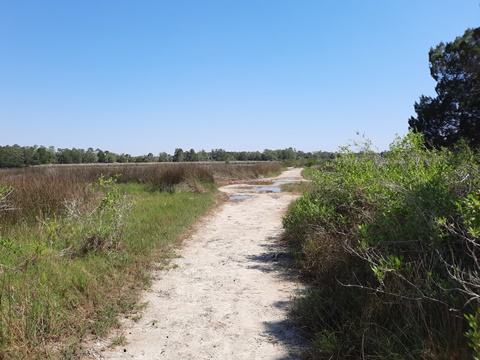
<point x="42" y="191"/>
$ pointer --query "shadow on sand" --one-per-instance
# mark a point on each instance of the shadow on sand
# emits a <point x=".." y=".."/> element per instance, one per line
<point x="277" y="259"/>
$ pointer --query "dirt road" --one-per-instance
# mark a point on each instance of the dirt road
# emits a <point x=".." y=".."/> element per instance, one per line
<point x="228" y="293"/>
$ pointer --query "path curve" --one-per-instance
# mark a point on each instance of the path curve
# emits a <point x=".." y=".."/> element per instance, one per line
<point x="228" y="293"/>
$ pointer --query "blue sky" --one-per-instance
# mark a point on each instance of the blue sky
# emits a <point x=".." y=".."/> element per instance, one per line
<point x="150" y="76"/>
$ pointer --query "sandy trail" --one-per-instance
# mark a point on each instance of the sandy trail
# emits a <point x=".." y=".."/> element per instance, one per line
<point x="228" y="293"/>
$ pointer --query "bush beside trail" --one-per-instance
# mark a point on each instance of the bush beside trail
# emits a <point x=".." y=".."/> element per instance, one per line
<point x="390" y="243"/>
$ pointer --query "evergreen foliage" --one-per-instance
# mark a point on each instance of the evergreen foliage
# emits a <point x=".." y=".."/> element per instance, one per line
<point x="455" y="112"/>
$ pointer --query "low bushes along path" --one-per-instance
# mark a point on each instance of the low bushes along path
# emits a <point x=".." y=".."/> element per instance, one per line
<point x="227" y="294"/>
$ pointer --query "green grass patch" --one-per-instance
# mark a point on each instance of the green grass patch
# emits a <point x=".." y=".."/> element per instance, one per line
<point x="309" y="172"/>
<point x="296" y="187"/>
<point x="50" y="300"/>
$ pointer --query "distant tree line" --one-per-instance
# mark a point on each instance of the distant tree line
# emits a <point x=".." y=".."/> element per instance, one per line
<point x="20" y="156"/>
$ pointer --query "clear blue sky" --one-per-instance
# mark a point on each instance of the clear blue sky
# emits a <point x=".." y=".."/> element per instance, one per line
<point x="144" y="76"/>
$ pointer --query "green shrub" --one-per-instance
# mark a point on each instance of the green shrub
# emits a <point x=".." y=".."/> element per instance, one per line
<point x="394" y="237"/>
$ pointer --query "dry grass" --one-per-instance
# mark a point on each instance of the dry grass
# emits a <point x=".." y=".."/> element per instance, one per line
<point x="41" y="192"/>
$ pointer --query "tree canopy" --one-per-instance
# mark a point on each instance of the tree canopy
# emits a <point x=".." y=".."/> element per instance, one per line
<point x="455" y="112"/>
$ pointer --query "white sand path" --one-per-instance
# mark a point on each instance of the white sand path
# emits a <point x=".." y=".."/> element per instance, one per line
<point x="227" y="295"/>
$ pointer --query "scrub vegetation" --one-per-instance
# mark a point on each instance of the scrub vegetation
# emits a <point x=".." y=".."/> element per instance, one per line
<point x="390" y="245"/>
<point x="390" y="241"/>
<point x="77" y="244"/>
